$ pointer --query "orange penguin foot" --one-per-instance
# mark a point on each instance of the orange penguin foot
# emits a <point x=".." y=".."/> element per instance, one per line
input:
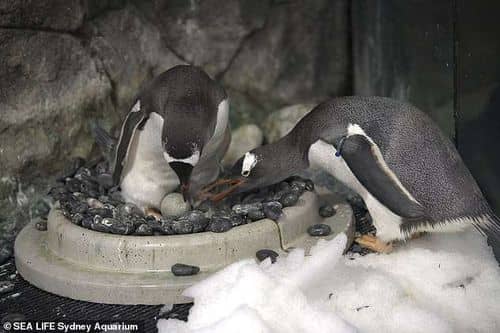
<point x="153" y="212"/>
<point x="374" y="244"/>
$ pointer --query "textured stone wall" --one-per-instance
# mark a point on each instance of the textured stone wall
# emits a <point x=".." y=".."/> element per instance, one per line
<point x="67" y="63"/>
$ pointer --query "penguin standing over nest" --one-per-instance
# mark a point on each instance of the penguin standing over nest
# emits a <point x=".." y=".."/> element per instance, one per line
<point x="175" y="134"/>
<point x="393" y="155"/>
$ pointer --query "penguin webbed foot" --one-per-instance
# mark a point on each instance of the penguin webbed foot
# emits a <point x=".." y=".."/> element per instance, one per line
<point x="375" y="244"/>
<point x="206" y="193"/>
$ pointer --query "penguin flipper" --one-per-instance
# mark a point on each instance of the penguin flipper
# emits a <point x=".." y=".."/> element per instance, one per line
<point x="366" y="162"/>
<point x="135" y="120"/>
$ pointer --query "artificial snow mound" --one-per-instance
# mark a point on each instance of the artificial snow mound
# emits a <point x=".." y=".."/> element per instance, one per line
<point x="438" y="283"/>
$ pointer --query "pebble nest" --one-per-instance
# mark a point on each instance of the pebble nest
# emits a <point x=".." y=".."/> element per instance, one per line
<point x="88" y="198"/>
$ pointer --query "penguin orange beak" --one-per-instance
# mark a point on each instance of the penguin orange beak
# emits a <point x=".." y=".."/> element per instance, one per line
<point x="183" y="172"/>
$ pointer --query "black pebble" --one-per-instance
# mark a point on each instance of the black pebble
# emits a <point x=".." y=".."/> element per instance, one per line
<point x="326" y="211"/>
<point x="356" y="248"/>
<point x="266" y="253"/>
<point x="236" y="219"/>
<point x="219" y="224"/>
<point x="184" y="270"/>
<point x="182" y="226"/>
<point x="87" y="222"/>
<point x="319" y="230"/>
<point x="77" y="218"/>
<point x="273" y="210"/>
<point x="256" y="214"/>
<point x="105" y="180"/>
<point x="104" y="212"/>
<point x="144" y="230"/>
<point x="166" y="226"/>
<point x="289" y="199"/>
<point x="41" y="225"/>
<point x="6" y="287"/>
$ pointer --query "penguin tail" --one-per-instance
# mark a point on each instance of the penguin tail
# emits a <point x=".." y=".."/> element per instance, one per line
<point x="104" y="140"/>
<point x="489" y="226"/>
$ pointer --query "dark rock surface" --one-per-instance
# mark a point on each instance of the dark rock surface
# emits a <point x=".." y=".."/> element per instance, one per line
<point x="184" y="270"/>
<point x="64" y="15"/>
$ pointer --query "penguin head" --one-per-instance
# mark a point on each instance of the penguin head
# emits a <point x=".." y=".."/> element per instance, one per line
<point x="182" y="154"/>
<point x="257" y="168"/>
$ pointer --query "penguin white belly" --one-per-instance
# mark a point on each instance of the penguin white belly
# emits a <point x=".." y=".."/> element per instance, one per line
<point x="322" y="155"/>
<point x="147" y="176"/>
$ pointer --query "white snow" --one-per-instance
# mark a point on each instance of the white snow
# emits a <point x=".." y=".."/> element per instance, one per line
<point x="438" y="283"/>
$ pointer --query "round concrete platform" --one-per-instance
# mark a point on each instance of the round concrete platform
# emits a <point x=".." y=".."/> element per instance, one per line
<point x="83" y="264"/>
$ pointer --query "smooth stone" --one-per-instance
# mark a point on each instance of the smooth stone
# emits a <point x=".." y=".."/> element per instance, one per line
<point x="319" y="229"/>
<point x="73" y="185"/>
<point x="326" y="211"/>
<point x="266" y="253"/>
<point x="256" y="214"/>
<point x="167" y="226"/>
<point x="289" y="199"/>
<point x="104" y="212"/>
<point x="129" y="209"/>
<point x="182" y="226"/>
<point x="77" y="218"/>
<point x="184" y="270"/>
<point x="273" y="210"/>
<point x="244" y="209"/>
<point x="97" y="225"/>
<point x="174" y="205"/>
<point x="94" y="203"/>
<point x="237" y="219"/>
<point x="87" y="222"/>
<point x="6" y="287"/>
<point x="41" y="225"/>
<point x="356" y="248"/>
<point x="284" y="186"/>
<point x="144" y="230"/>
<point x="198" y="220"/>
<point x="220" y="224"/>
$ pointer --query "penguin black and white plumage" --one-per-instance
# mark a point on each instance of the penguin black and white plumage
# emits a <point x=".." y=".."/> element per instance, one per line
<point x="393" y="155"/>
<point x="176" y="132"/>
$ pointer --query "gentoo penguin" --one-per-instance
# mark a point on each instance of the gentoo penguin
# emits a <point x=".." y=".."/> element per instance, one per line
<point x="393" y="155"/>
<point x="176" y="132"/>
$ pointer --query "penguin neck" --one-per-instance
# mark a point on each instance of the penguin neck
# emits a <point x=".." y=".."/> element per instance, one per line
<point x="290" y="155"/>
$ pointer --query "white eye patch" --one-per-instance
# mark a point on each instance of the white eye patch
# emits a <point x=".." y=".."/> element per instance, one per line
<point x="249" y="162"/>
<point x="136" y="107"/>
<point x="193" y="159"/>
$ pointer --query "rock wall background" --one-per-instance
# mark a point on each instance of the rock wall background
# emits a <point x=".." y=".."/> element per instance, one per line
<point x="67" y="63"/>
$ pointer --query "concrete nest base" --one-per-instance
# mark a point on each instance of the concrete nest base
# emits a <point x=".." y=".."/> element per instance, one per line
<point x="82" y="264"/>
